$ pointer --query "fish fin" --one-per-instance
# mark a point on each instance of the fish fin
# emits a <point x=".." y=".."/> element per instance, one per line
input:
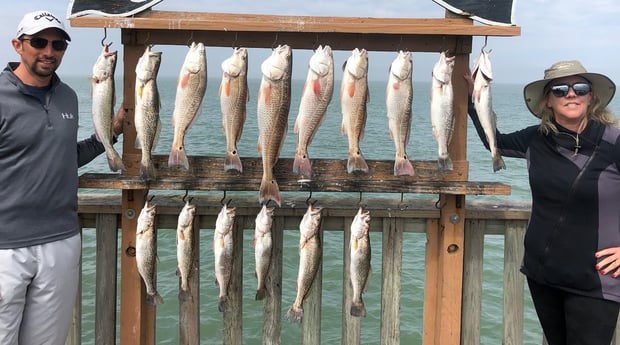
<point x="225" y="89"/>
<point x="498" y="163"/>
<point x="261" y="294"/>
<point x="157" y="299"/>
<point x="265" y="94"/>
<point x="181" y="235"/>
<point x="354" y="244"/>
<point x="402" y="166"/>
<point x="222" y="303"/>
<point x="301" y="165"/>
<point x="115" y="162"/>
<point x="178" y="158"/>
<point x="295" y="314"/>
<point x="358" y="309"/>
<point x="147" y="172"/>
<point x="297" y="124"/>
<point x="184" y="79"/>
<point x="350" y="90"/>
<point x="356" y="162"/>
<point x="444" y="163"/>
<point x="232" y="161"/>
<point x="269" y="190"/>
<point x="396" y="86"/>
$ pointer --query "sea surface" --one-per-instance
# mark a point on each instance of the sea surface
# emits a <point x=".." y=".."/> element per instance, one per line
<point x="207" y="139"/>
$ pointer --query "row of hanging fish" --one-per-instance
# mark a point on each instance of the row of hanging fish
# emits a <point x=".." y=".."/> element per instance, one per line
<point x="310" y="254"/>
<point x="273" y="106"/>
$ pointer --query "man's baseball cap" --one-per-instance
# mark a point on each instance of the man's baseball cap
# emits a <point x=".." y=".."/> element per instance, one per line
<point x="37" y="21"/>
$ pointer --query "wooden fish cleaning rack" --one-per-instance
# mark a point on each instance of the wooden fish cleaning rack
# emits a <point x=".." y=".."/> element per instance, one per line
<point x="442" y="305"/>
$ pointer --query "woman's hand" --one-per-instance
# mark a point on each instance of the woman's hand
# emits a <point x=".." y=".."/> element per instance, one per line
<point x="609" y="261"/>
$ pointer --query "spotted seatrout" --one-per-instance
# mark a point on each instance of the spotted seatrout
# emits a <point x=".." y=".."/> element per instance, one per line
<point x="234" y="96"/>
<point x="146" y="118"/>
<point x="309" y="260"/>
<point x="398" y="99"/>
<point x="354" y="97"/>
<point x="103" y="98"/>
<point x="442" y="115"/>
<point x="262" y="244"/>
<point x="316" y="96"/>
<point x="274" y="102"/>
<point x="185" y="243"/>
<point x="146" y="250"/>
<point x="481" y="97"/>
<point x="191" y="87"/>
<point x="359" y="269"/>
<point x="223" y="252"/>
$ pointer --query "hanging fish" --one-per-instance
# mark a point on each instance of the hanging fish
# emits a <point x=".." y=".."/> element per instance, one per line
<point x="102" y="85"/>
<point x="146" y="250"/>
<point x="481" y="97"/>
<point x="223" y="252"/>
<point x="274" y="102"/>
<point x="442" y="114"/>
<point x="309" y="259"/>
<point x="234" y="96"/>
<point x="353" y="98"/>
<point x="316" y="95"/>
<point x="146" y="118"/>
<point x="185" y="243"/>
<point x="359" y="268"/>
<point x="398" y="99"/>
<point x="191" y="88"/>
<point x="262" y="244"/>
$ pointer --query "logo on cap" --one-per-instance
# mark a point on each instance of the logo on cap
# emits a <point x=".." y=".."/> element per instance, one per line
<point x="47" y="16"/>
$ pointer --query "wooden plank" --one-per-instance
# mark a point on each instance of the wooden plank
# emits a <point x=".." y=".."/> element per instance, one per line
<point x="240" y="22"/>
<point x="350" y="324"/>
<point x="472" y="282"/>
<point x="431" y="282"/>
<point x="233" y="323"/>
<point x="513" y="283"/>
<point x="105" y="281"/>
<point x="189" y="302"/>
<point x="391" y="266"/>
<point x="206" y="173"/>
<point x="272" y="304"/>
<point x="450" y="270"/>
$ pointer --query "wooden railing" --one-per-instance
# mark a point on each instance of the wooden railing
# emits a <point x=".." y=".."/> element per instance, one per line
<point x="390" y="217"/>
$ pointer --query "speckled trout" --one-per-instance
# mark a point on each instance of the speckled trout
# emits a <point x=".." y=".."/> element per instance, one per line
<point x="146" y="250"/>
<point x="223" y="252"/>
<point x="442" y="114"/>
<point x="185" y="243"/>
<point x="262" y="244"/>
<point x="481" y="97"/>
<point x="359" y="268"/>
<point x="398" y="99"/>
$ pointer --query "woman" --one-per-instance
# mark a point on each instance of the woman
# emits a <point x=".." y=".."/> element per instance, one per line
<point x="572" y="242"/>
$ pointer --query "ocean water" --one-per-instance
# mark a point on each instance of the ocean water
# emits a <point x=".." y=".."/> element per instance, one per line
<point x="207" y="139"/>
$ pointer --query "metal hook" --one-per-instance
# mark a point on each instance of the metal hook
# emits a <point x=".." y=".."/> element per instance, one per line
<point x="222" y="200"/>
<point x="146" y="40"/>
<point x="185" y="196"/>
<point x="400" y="43"/>
<point x="234" y="44"/>
<point x="316" y="41"/>
<point x="105" y="35"/>
<point x="273" y="45"/>
<point x="191" y="37"/>
<point x="485" y="43"/>
<point x="308" y="200"/>
<point x="438" y="204"/>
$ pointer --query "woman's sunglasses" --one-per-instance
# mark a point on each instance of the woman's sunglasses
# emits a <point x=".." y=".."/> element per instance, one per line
<point x="580" y="88"/>
<point x="40" y="43"/>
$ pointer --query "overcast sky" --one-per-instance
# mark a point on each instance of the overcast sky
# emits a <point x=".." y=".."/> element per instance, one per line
<point x="551" y="30"/>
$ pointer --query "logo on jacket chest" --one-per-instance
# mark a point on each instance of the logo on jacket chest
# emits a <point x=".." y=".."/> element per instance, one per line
<point x="67" y="116"/>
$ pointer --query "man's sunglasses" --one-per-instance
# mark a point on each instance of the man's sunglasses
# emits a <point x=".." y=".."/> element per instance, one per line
<point x="580" y="88"/>
<point x="40" y="43"/>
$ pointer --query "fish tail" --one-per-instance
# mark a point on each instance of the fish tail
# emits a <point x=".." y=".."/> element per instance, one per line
<point x="269" y="190"/>
<point x="445" y="163"/>
<point x="178" y="159"/>
<point x="301" y="165"/>
<point x="402" y="166"/>
<point x="498" y="163"/>
<point x="232" y="161"/>
<point x="115" y="161"/>
<point x="358" y="309"/>
<point x="222" y="303"/>
<point x="295" y="314"/>
<point x="261" y="293"/>
<point x="147" y="171"/>
<point x="157" y="299"/>
<point x="356" y="162"/>
<point x="184" y="284"/>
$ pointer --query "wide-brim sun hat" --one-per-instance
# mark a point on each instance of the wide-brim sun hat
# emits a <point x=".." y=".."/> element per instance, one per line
<point x="534" y="93"/>
<point x="37" y="21"/>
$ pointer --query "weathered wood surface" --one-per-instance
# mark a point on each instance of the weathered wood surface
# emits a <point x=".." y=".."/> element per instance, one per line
<point x="107" y="259"/>
<point x="207" y="173"/>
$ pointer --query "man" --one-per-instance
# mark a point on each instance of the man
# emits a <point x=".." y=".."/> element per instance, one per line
<point x="40" y="243"/>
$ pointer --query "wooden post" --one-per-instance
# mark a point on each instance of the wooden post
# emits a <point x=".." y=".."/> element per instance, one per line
<point x="106" y="262"/>
<point x="137" y="326"/>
